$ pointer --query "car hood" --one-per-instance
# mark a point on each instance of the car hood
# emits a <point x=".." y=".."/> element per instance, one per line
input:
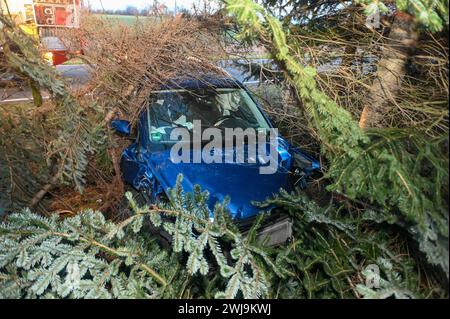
<point x="242" y="183"/>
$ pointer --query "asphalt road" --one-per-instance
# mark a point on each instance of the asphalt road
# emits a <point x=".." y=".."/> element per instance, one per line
<point x="76" y="75"/>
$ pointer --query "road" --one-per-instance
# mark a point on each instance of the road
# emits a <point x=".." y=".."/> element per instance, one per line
<point x="76" y="75"/>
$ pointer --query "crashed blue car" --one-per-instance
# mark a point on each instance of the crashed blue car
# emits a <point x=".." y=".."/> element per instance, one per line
<point x="219" y="102"/>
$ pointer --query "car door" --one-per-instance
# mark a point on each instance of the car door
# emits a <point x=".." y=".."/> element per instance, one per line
<point x="134" y="167"/>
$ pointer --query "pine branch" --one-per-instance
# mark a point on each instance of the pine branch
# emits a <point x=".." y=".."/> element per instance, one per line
<point x="38" y="249"/>
<point x="375" y="165"/>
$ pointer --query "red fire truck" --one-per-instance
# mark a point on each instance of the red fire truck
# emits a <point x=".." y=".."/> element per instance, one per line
<point x="46" y="20"/>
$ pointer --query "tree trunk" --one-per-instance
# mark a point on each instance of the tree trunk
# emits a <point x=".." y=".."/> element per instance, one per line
<point x="391" y="71"/>
<point x="36" y="92"/>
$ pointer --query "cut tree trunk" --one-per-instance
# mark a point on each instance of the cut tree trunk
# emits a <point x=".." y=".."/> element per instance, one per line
<point x="403" y="39"/>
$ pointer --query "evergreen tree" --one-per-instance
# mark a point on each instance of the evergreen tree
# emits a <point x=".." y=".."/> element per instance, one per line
<point x="87" y="256"/>
<point x="400" y="170"/>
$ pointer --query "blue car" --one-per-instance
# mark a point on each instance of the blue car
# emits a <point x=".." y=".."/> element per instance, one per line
<point x="219" y="102"/>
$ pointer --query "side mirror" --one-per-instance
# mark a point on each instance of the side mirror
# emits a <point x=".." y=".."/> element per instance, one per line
<point x="122" y="127"/>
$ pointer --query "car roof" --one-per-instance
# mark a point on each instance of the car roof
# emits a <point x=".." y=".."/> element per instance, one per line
<point x="202" y="82"/>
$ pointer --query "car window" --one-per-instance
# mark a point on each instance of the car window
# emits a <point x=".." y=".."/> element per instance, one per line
<point x="221" y="108"/>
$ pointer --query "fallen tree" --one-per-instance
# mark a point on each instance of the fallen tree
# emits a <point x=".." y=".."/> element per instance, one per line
<point x="79" y="140"/>
<point x="51" y="258"/>
<point x="333" y="245"/>
<point x="394" y="169"/>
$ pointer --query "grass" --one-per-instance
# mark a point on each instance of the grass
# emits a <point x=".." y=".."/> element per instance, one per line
<point x="74" y="61"/>
<point x="128" y="20"/>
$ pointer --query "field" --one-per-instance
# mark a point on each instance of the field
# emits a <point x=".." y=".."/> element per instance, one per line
<point x="128" y="20"/>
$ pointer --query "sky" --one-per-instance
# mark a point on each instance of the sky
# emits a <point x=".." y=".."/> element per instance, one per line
<point x="140" y="4"/>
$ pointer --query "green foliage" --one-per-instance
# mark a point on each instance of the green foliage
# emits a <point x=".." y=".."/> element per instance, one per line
<point x="392" y="286"/>
<point x="402" y="173"/>
<point x="87" y="256"/>
<point x="407" y="171"/>
<point x="333" y="250"/>
<point x="194" y="232"/>
<point x="78" y="136"/>
<point x="433" y="14"/>
<point x="20" y="156"/>
<point x="398" y="170"/>
<point x="335" y="125"/>
<point x="80" y="257"/>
